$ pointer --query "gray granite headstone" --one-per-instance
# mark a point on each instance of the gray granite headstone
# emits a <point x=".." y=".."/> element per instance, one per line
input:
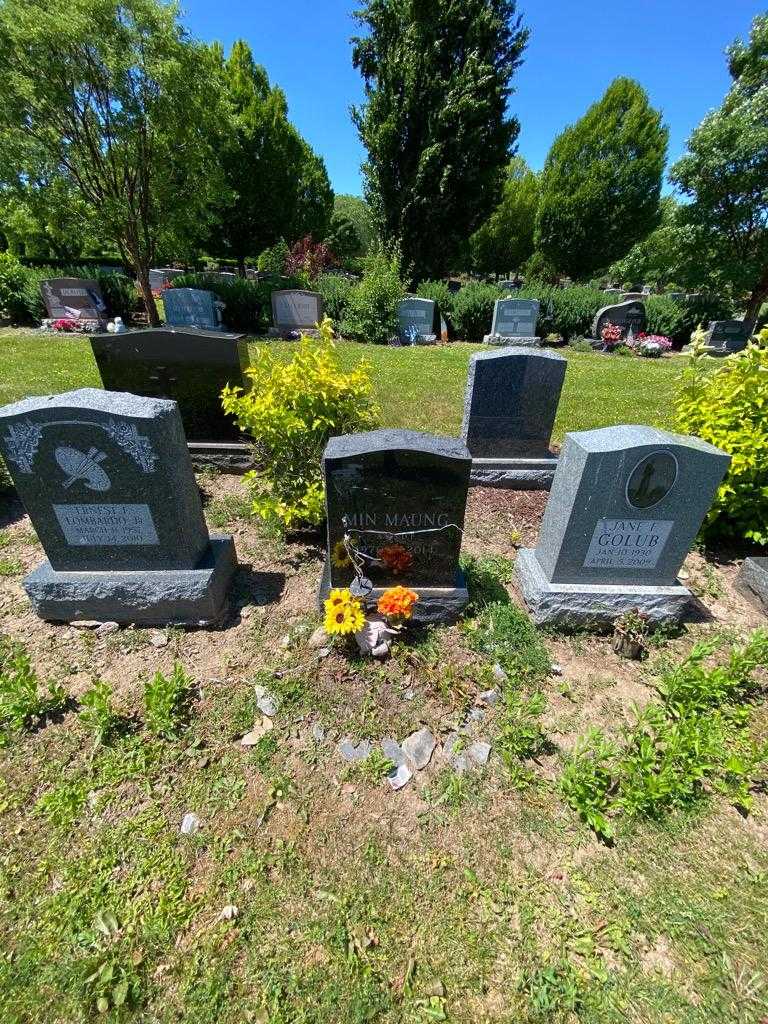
<point x="727" y="336"/>
<point x="752" y="582"/>
<point x="627" y="315"/>
<point x="401" y="496"/>
<point x="416" y="317"/>
<point x="159" y="277"/>
<point x="107" y="482"/>
<point x="190" y="366"/>
<point x="294" y="309"/>
<point x="515" y="318"/>
<point x="72" y="298"/>
<point x="191" y="307"/>
<point x="509" y="411"/>
<point x="625" y="506"/>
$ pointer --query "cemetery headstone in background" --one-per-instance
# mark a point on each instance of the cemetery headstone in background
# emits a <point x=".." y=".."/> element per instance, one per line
<point x="192" y="307"/>
<point x="416" y="321"/>
<point x="752" y="582"/>
<point x="401" y="496"/>
<point x="72" y="298"/>
<point x="726" y="336"/>
<point x="107" y="482"/>
<point x="190" y="366"/>
<point x="627" y="315"/>
<point x="509" y="410"/>
<point x="625" y="506"/>
<point x="514" y="323"/>
<point x="295" y="311"/>
<point x="159" y="277"/>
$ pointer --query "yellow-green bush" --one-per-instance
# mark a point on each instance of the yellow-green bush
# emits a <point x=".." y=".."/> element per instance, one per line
<point x="728" y="406"/>
<point x="291" y="411"/>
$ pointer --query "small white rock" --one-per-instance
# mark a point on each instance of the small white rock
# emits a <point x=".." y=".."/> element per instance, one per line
<point x="557" y="670"/>
<point x="158" y="638"/>
<point x="318" y="733"/>
<point x="85" y="623"/>
<point x="228" y="913"/>
<point x="479" y="751"/>
<point x="267" y="703"/>
<point x="490" y="697"/>
<point x="107" y="627"/>
<point x="190" y="823"/>
<point x="258" y="732"/>
<point x="285" y="642"/>
<point x="409" y="694"/>
<point x="400" y="777"/>
<point x="499" y="674"/>
<point x="350" y="752"/>
<point x="319" y="638"/>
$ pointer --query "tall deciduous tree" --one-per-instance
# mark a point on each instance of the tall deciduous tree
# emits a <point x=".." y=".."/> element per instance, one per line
<point x="437" y="80"/>
<point x="355" y="209"/>
<point x="725" y="175"/>
<point x="505" y="241"/>
<point x="277" y="186"/>
<point x="112" y="96"/>
<point x="601" y="182"/>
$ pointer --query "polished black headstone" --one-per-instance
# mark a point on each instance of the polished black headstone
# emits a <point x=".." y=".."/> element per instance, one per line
<point x="190" y="366"/>
<point x="401" y="495"/>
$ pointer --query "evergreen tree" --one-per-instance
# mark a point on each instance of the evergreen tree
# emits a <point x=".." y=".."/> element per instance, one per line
<point x="601" y="182"/>
<point x="437" y="80"/>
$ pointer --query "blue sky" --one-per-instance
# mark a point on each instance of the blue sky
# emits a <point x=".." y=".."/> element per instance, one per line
<point x="674" y="48"/>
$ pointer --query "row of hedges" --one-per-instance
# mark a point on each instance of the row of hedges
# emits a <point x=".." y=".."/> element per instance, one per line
<point x="22" y="302"/>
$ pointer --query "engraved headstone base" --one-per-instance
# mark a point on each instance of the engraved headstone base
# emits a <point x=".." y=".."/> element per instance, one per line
<point x="752" y="582"/>
<point x="226" y="456"/>
<point x="507" y="340"/>
<point x="180" y="597"/>
<point x="576" y="605"/>
<point x="435" y="604"/>
<point x="514" y="474"/>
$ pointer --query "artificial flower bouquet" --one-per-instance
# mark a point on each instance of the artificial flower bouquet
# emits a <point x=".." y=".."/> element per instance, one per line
<point x="345" y="615"/>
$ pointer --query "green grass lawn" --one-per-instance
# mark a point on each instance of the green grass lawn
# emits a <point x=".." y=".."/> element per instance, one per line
<point x="421" y="388"/>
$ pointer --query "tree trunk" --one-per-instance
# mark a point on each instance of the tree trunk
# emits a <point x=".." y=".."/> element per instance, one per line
<point x="756" y="299"/>
<point x="142" y="272"/>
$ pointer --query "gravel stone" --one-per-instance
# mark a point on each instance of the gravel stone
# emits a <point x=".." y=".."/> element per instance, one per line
<point x="419" y="747"/>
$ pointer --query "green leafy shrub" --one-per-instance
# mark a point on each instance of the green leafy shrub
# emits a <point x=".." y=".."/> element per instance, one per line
<point x="290" y="412"/>
<point x="372" y="310"/>
<point x="12" y="281"/>
<point x="336" y="291"/>
<point x="665" y="316"/>
<point x="440" y="293"/>
<point x="97" y="714"/>
<point x="728" y="406"/>
<point x="22" y="704"/>
<point x="166" y="702"/>
<point x="473" y="310"/>
<point x="247" y="304"/>
<point x="273" y="259"/>
<point x="565" y="311"/>
<point x="678" y="749"/>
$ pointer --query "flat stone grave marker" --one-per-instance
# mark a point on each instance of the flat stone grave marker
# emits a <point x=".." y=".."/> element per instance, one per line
<point x="107" y="482"/>
<point x="627" y="315"/>
<point x="191" y="307"/>
<point x="625" y="506"/>
<point x="294" y="309"/>
<point x="514" y="322"/>
<point x="752" y="582"/>
<point x="400" y="496"/>
<point x="727" y="336"/>
<point x="509" y="410"/>
<point x="73" y="298"/>
<point x="190" y="366"/>
<point x="414" y="312"/>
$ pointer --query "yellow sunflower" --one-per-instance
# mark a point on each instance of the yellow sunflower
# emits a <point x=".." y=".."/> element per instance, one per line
<point x="343" y="615"/>
<point x="340" y="556"/>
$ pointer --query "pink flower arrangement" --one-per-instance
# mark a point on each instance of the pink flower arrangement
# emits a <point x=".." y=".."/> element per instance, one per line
<point x="661" y="340"/>
<point x="65" y="324"/>
<point x="611" y="335"/>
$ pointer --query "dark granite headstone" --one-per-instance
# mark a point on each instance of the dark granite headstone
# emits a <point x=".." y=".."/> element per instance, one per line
<point x="417" y="313"/>
<point x="191" y="307"/>
<point x="625" y="507"/>
<point x="752" y="582"/>
<point x="107" y="482"/>
<point x="294" y="309"/>
<point x="727" y="336"/>
<point x="627" y="315"/>
<point x="190" y="366"/>
<point x="72" y="298"/>
<point x="401" y="496"/>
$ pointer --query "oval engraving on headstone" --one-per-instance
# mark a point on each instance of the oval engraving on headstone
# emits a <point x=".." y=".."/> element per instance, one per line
<point x="651" y="480"/>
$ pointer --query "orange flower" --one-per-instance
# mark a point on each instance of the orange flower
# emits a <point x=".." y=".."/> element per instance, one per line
<point x="397" y="603"/>
<point x="396" y="557"/>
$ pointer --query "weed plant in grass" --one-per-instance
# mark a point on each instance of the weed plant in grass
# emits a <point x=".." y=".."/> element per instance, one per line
<point x="166" y="702"/>
<point x="22" y="703"/>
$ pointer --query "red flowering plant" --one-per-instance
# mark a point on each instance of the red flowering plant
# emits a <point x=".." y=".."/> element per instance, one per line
<point x="612" y="335"/>
<point x="65" y="324"/>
